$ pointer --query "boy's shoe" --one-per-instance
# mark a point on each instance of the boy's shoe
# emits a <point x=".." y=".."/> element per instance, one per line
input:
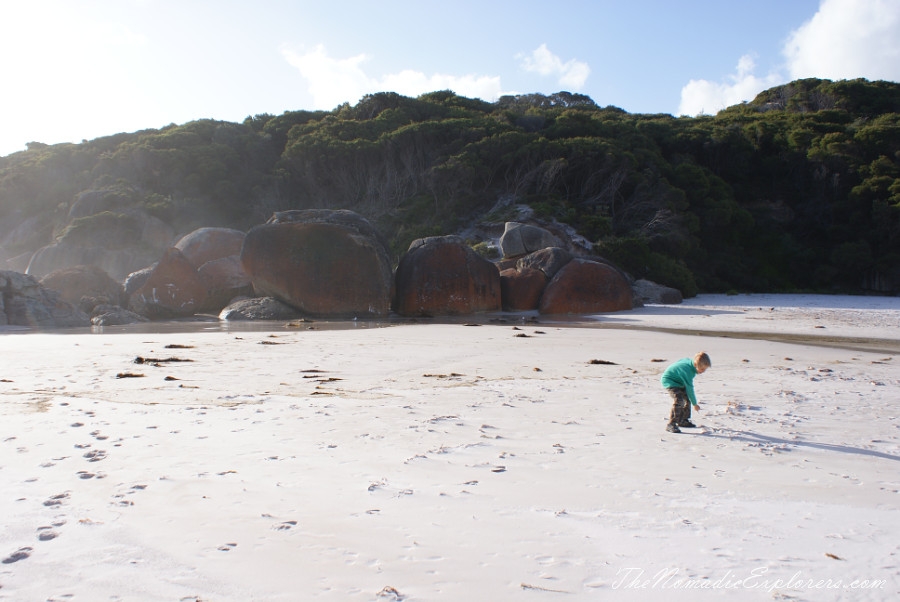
<point x="687" y="424"/>
<point x="673" y="428"/>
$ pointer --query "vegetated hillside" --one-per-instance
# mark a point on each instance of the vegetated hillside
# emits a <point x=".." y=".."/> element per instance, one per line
<point x="797" y="190"/>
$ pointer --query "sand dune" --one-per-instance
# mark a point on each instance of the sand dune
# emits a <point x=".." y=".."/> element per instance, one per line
<point x="508" y="461"/>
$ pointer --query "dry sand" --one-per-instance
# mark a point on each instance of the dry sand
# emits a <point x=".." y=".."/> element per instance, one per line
<point x="507" y="461"/>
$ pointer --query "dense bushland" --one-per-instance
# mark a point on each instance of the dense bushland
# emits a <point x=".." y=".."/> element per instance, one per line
<point x="797" y="190"/>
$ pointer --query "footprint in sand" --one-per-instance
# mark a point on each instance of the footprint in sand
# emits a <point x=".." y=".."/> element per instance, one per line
<point x="20" y="554"/>
<point x="95" y="455"/>
<point x="285" y="525"/>
<point x="56" y="500"/>
<point x="83" y="474"/>
<point x="227" y="547"/>
<point x="121" y="498"/>
<point x="46" y="533"/>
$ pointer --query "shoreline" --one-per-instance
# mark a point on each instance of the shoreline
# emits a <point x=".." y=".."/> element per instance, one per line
<point x="800" y="319"/>
<point x="870" y="345"/>
<point x="873" y="345"/>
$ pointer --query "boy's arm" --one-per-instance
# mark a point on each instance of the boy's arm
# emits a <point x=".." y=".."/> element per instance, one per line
<point x="689" y="389"/>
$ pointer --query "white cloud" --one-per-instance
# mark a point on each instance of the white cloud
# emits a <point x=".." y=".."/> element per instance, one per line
<point x="845" y="39"/>
<point x="848" y="39"/>
<point x="572" y="74"/>
<point x="413" y="83"/>
<point x="331" y="81"/>
<point x="703" y="96"/>
<point x="335" y="81"/>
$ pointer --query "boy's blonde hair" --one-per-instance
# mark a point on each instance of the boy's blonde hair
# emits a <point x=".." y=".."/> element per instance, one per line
<point x="701" y="359"/>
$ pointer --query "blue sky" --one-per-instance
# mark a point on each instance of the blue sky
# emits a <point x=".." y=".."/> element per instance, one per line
<point x="80" y="69"/>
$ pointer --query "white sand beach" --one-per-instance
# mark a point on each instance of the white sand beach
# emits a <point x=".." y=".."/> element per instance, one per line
<point x="515" y="460"/>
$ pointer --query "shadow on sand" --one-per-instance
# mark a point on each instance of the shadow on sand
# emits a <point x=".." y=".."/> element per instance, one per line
<point x="720" y="433"/>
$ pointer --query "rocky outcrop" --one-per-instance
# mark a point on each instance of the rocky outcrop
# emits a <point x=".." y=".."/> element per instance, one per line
<point x="24" y="302"/>
<point x="586" y="287"/>
<point x="136" y="280"/>
<point x="113" y="315"/>
<point x="548" y="260"/>
<point x="173" y="289"/>
<point x="85" y="286"/>
<point x="26" y="236"/>
<point x="507" y="263"/>
<point x="216" y="255"/>
<point x="441" y="275"/>
<point x="118" y="243"/>
<point x="520" y="239"/>
<point x="210" y="244"/>
<point x="225" y="279"/>
<point x="521" y="290"/>
<point x="60" y="255"/>
<point x="202" y="273"/>
<point x="590" y="285"/>
<point x="325" y="263"/>
<point x="259" y="308"/>
<point x="646" y="291"/>
<point x="523" y="284"/>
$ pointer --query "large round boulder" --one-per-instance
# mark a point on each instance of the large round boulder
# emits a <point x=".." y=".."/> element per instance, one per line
<point x="113" y="315"/>
<point x="521" y="290"/>
<point x="647" y="291"/>
<point x="135" y="280"/>
<point x="24" y="302"/>
<point x="548" y="260"/>
<point x="586" y="287"/>
<point x="216" y="255"/>
<point x="118" y="263"/>
<point x="119" y="243"/>
<point x="521" y="239"/>
<point x="173" y="289"/>
<point x="325" y="263"/>
<point x="441" y="275"/>
<point x="84" y="285"/>
<point x="209" y="244"/>
<point x="225" y="279"/>
<point x="259" y="308"/>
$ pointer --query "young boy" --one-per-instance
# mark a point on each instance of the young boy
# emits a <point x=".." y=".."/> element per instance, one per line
<point x="678" y="379"/>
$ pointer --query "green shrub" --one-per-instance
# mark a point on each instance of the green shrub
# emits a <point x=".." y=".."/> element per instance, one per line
<point x="486" y="250"/>
<point x="105" y="229"/>
<point x="635" y="257"/>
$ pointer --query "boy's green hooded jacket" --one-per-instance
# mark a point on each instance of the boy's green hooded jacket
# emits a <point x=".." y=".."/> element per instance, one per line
<point x="681" y="374"/>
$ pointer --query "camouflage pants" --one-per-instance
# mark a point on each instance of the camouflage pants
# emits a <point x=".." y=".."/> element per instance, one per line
<point x="681" y="406"/>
